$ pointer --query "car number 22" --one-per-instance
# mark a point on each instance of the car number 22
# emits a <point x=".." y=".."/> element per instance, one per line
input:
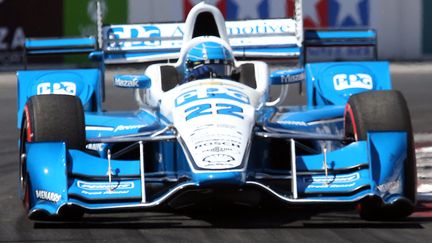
<point x="207" y="109"/>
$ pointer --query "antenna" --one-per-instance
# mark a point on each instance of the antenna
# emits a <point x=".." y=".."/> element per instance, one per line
<point x="99" y="24"/>
<point x="299" y="21"/>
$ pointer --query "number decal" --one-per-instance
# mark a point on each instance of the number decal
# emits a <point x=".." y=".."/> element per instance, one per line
<point x="221" y="108"/>
<point x="198" y="110"/>
<point x="231" y="110"/>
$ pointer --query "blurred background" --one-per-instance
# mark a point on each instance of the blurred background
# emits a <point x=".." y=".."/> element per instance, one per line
<point x="404" y="38"/>
<point x="402" y="25"/>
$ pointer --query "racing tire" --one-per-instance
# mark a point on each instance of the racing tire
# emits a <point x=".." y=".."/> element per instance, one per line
<point x="56" y="118"/>
<point x="383" y="111"/>
<point x="49" y="118"/>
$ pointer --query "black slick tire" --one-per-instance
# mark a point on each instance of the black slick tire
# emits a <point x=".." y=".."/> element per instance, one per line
<point x="49" y="118"/>
<point x="383" y="111"/>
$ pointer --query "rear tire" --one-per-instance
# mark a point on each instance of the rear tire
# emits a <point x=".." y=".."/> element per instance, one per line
<point x="49" y="118"/>
<point x="383" y="111"/>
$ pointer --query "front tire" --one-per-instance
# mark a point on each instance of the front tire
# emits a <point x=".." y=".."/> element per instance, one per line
<point x="384" y="111"/>
<point x="49" y="118"/>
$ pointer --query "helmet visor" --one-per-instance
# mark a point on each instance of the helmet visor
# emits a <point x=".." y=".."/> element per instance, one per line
<point x="214" y="68"/>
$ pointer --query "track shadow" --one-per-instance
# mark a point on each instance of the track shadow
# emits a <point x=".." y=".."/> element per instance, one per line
<point x="234" y="218"/>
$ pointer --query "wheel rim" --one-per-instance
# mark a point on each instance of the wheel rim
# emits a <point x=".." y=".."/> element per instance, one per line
<point x="350" y="124"/>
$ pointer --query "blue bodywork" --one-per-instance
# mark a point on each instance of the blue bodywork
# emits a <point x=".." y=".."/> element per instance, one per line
<point x="82" y="179"/>
<point x="84" y="83"/>
<point x="321" y="86"/>
<point x="297" y="154"/>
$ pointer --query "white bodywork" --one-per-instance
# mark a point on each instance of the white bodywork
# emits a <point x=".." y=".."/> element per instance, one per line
<point x="214" y="117"/>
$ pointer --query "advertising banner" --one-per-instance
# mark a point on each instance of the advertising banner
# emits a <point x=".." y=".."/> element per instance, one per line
<point x="397" y="22"/>
<point x="402" y="26"/>
<point x="80" y="15"/>
<point x="21" y="18"/>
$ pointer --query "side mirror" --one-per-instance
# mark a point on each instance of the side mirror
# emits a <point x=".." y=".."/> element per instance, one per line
<point x="132" y="81"/>
<point x="282" y="77"/>
<point x="97" y="56"/>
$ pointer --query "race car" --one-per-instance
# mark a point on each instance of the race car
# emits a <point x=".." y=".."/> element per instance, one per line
<point x="207" y="128"/>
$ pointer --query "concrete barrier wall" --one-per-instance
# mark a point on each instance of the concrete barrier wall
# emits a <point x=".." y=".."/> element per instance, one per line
<point x="399" y="27"/>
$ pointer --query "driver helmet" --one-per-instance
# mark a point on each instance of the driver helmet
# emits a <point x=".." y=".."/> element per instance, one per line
<point x="208" y="60"/>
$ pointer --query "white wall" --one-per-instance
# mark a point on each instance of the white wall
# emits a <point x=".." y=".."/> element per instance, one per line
<point x="143" y="11"/>
<point x="398" y="24"/>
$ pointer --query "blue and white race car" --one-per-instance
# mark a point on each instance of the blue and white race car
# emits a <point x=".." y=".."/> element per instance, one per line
<point x="207" y="128"/>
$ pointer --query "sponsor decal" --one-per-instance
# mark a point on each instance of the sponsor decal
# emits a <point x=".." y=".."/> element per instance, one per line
<point x="116" y="129"/>
<point x="262" y="28"/>
<point x="105" y="188"/>
<point x="324" y="185"/>
<point x="95" y="146"/>
<point x="216" y="145"/>
<point x="126" y="83"/>
<point x="212" y="93"/>
<point x="65" y="87"/>
<point x="97" y="186"/>
<point x="294" y="123"/>
<point x="108" y="192"/>
<point x="352" y="81"/>
<point x="218" y="148"/>
<point x="94" y="193"/>
<point x="48" y="196"/>
<point x="344" y="179"/>
<point x="150" y="36"/>
<point x="218" y="159"/>
<point x="294" y="78"/>
<point x="129" y="127"/>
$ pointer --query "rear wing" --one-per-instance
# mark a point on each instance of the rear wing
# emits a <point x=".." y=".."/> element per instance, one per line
<point x="341" y="40"/>
<point x="130" y="43"/>
<point x="60" y="45"/>
<point x="272" y="38"/>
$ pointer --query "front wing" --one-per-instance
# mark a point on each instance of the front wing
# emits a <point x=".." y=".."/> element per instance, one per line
<point x="62" y="178"/>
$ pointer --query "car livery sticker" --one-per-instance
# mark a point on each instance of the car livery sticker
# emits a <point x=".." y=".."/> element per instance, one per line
<point x="48" y="196"/>
<point x="65" y="88"/>
<point x="102" y="188"/>
<point x="215" y="122"/>
<point x="353" y="81"/>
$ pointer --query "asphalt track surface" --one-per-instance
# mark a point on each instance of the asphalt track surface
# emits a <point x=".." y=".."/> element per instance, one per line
<point x="212" y="225"/>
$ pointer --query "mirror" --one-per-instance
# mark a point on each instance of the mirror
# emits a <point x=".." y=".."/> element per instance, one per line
<point x="132" y="81"/>
<point x="96" y="56"/>
<point x="291" y="76"/>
